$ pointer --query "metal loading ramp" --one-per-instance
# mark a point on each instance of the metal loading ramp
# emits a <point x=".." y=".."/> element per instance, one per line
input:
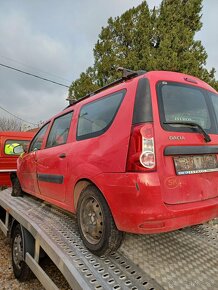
<point x="185" y="259"/>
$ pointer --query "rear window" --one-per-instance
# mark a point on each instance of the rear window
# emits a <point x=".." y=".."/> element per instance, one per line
<point x="10" y="145"/>
<point x="96" y="117"/>
<point x="183" y="103"/>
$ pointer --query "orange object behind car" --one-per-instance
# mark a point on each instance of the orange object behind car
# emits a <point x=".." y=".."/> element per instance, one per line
<point x="8" y="159"/>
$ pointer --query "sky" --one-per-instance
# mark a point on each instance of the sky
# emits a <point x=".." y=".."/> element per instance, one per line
<point x="55" y="40"/>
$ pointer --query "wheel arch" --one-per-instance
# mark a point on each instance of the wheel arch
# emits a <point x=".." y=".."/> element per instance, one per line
<point x="79" y="187"/>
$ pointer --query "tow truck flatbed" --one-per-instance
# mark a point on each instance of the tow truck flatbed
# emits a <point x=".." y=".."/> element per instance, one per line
<point x="183" y="259"/>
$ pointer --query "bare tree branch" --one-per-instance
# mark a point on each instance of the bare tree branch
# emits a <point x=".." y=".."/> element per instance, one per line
<point x="9" y="124"/>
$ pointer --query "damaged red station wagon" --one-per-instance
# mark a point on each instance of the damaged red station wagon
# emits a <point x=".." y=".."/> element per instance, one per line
<point x="138" y="156"/>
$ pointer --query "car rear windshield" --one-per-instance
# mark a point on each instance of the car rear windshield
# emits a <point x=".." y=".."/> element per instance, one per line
<point x="180" y="103"/>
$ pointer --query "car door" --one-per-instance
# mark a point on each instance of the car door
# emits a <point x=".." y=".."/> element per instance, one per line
<point x="52" y="160"/>
<point x="27" y="163"/>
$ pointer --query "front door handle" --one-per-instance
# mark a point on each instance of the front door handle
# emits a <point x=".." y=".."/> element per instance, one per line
<point x="62" y="155"/>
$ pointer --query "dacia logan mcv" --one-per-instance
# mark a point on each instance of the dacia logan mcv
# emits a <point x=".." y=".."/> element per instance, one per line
<point x="138" y="156"/>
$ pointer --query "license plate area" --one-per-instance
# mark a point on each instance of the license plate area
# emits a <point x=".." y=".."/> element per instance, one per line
<point x="193" y="164"/>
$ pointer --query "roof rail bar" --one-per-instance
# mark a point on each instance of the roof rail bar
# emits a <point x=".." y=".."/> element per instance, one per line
<point x="127" y="74"/>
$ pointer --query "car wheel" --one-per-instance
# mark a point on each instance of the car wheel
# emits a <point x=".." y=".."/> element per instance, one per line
<point x="22" y="242"/>
<point x="96" y="224"/>
<point x="16" y="188"/>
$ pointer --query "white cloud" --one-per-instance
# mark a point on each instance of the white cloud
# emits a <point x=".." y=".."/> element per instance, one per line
<point x="30" y="98"/>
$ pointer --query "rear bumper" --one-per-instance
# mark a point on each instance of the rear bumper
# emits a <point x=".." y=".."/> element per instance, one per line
<point x="181" y="219"/>
<point x="137" y="205"/>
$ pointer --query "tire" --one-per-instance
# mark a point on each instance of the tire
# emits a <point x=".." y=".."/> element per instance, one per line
<point x="22" y="242"/>
<point x="96" y="224"/>
<point x="16" y="188"/>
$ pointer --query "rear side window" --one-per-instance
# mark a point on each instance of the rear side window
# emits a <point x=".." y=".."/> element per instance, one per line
<point x="59" y="130"/>
<point x="96" y="117"/>
<point x="10" y="146"/>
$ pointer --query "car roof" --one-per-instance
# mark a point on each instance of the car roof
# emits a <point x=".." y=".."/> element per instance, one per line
<point x="124" y="82"/>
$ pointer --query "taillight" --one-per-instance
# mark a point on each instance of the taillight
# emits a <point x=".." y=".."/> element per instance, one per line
<point x="141" y="155"/>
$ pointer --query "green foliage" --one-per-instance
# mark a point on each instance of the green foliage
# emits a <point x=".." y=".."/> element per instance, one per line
<point x="124" y="42"/>
<point x="158" y="39"/>
<point x="176" y="25"/>
<point x="84" y="85"/>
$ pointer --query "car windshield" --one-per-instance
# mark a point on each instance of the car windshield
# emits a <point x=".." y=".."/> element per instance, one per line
<point x="180" y="103"/>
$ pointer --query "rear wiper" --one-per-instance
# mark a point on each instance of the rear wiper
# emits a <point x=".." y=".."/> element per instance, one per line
<point x="194" y="125"/>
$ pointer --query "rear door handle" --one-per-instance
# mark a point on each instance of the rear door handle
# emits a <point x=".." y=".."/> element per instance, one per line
<point x="62" y="155"/>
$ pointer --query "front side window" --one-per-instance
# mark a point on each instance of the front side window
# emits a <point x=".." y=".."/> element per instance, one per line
<point x="96" y="117"/>
<point x="38" y="139"/>
<point x="14" y="147"/>
<point x="180" y="103"/>
<point x="59" y="131"/>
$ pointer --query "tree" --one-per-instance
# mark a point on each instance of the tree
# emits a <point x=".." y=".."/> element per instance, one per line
<point x="160" y="39"/>
<point x="124" y="42"/>
<point x="84" y="85"/>
<point x="7" y="124"/>
<point x="119" y="44"/>
<point x="176" y="25"/>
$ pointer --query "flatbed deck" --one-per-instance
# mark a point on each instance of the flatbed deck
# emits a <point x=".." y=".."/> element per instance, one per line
<point x="183" y="259"/>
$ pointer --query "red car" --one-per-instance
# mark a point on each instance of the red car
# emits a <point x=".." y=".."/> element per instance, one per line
<point x="138" y="156"/>
<point x="8" y="158"/>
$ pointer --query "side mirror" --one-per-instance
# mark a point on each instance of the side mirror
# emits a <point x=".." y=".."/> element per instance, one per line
<point x="18" y="149"/>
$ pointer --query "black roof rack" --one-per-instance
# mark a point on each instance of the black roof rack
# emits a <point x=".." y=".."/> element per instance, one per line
<point x="127" y="74"/>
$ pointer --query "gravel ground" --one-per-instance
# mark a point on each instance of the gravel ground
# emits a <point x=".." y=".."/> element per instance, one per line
<point x="7" y="280"/>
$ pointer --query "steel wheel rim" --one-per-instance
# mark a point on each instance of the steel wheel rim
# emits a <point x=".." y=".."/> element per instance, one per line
<point x="18" y="251"/>
<point x="91" y="217"/>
